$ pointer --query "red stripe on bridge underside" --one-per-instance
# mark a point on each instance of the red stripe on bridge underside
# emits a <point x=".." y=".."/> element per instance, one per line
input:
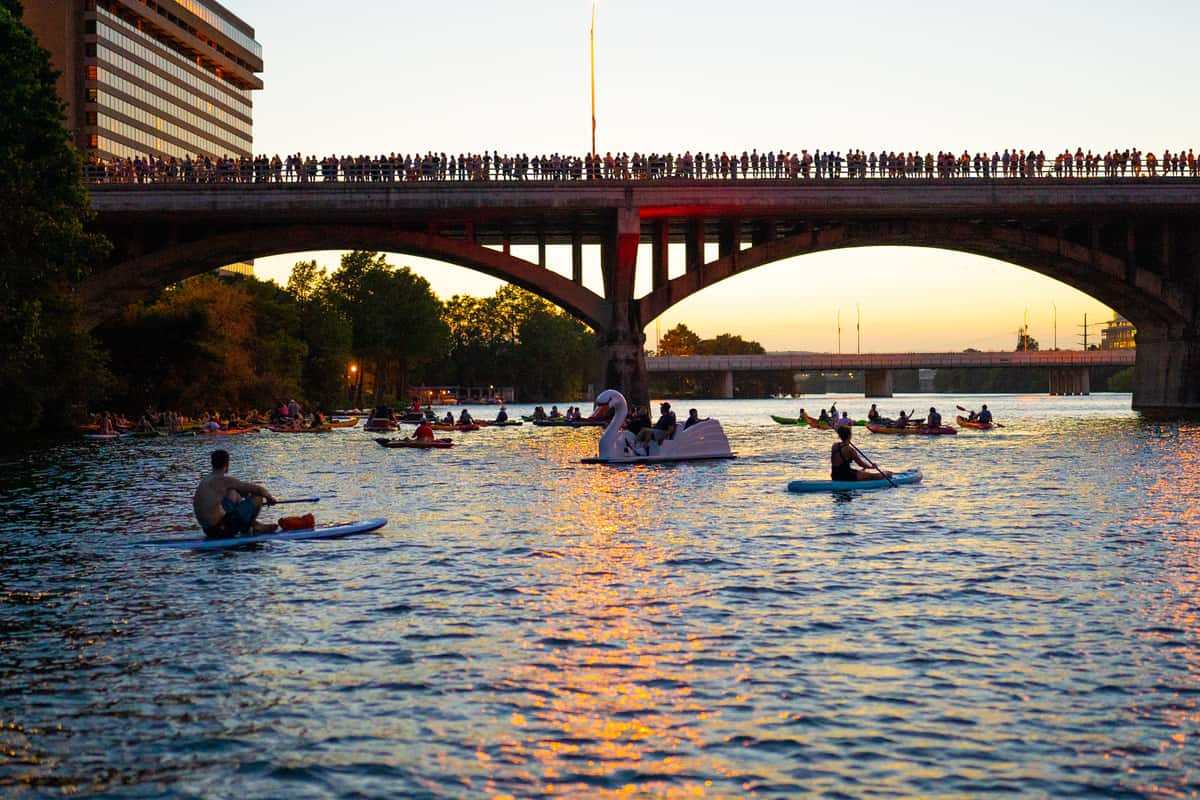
<point x="701" y="210"/>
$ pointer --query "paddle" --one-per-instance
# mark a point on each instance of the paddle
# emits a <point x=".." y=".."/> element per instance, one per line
<point x="297" y="500"/>
<point x="874" y="466"/>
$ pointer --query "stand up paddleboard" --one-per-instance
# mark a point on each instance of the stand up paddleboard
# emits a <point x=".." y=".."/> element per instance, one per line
<point x="327" y="532"/>
<point x="900" y="478"/>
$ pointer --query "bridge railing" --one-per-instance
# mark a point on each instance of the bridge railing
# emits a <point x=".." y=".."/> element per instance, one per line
<point x="374" y="171"/>
<point x="863" y="361"/>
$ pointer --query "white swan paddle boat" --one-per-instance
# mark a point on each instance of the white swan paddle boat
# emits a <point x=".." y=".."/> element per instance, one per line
<point x="704" y="440"/>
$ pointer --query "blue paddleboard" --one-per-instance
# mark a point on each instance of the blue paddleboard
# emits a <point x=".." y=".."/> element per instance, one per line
<point x="328" y="532"/>
<point x="900" y="478"/>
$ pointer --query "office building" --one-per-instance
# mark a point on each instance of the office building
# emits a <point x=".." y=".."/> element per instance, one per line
<point x="159" y="78"/>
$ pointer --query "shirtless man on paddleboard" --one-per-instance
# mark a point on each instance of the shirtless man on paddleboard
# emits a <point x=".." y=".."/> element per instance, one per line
<point x="227" y="507"/>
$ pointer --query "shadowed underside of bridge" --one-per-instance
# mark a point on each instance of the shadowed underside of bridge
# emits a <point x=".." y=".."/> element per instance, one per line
<point x="1132" y="245"/>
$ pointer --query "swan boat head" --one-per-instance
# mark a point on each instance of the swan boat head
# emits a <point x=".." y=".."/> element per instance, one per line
<point x="703" y="440"/>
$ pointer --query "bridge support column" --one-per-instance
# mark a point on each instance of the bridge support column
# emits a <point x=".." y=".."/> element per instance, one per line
<point x="725" y="386"/>
<point x="622" y="343"/>
<point x="1166" y="382"/>
<point x="879" y="383"/>
<point x="1070" y="380"/>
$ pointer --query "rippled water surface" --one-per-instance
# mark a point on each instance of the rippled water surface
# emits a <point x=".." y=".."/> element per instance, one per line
<point x="1023" y="623"/>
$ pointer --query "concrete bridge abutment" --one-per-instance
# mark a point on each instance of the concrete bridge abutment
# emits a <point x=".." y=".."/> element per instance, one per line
<point x="1070" y="381"/>
<point x="1167" y="372"/>
<point x="725" y="385"/>
<point x="879" y="383"/>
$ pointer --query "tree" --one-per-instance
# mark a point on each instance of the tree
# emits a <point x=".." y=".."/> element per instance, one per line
<point x="46" y="361"/>
<point x="327" y="334"/>
<point x="679" y="341"/>
<point x="727" y="344"/>
<point x="395" y="317"/>
<point x="1025" y="341"/>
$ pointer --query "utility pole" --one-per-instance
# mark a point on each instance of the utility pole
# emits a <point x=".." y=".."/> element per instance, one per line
<point x="592" y="52"/>
<point x="1055" y="307"/>
<point x="839" y="326"/>
<point x="858" y="327"/>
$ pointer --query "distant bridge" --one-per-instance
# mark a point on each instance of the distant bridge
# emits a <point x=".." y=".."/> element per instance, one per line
<point x="1131" y="244"/>
<point x="1069" y="368"/>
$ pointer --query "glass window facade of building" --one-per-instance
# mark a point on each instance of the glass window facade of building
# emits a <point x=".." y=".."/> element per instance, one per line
<point x="153" y="78"/>
<point x="1118" y="335"/>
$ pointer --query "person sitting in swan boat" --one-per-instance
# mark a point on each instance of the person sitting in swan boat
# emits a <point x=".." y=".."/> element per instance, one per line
<point x="662" y="430"/>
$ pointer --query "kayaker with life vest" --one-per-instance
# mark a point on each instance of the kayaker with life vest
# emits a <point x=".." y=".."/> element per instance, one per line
<point x="844" y="421"/>
<point x="845" y="455"/>
<point x="934" y="420"/>
<point x="225" y="506"/>
<point x="424" y="432"/>
<point x="449" y="418"/>
<point x="824" y="418"/>
<point x="873" y="415"/>
<point x="465" y="418"/>
<point x="984" y="416"/>
<point x="502" y="415"/>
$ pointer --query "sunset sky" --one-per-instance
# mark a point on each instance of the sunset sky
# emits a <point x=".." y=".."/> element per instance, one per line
<point x="377" y="77"/>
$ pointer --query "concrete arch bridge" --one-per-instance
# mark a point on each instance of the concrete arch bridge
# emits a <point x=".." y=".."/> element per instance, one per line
<point x="1132" y="244"/>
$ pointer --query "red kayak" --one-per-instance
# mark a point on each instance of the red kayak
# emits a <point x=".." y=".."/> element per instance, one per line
<point x="441" y="426"/>
<point x="420" y="444"/>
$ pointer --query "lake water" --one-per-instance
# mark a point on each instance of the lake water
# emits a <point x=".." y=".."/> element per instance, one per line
<point x="1025" y="622"/>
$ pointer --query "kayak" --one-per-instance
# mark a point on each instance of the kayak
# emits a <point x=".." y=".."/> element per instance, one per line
<point x="963" y="422"/>
<point x="103" y="435"/>
<point x="234" y="431"/>
<point x="147" y="434"/>
<point x="508" y="423"/>
<point x="327" y="532"/>
<point x="790" y="421"/>
<point x="570" y="423"/>
<point x="911" y="431"/>
<point x="278" y="429"/>
<point x="420" y="444"/>
<point x="380" y="425"/>
<point x="344" y="423"/>
<point x="899" y="479"/>
<point x="441" y="426"/>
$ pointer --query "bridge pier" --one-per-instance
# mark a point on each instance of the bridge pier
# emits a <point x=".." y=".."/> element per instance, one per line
<point x="1070" y="380"/>
<point x="725" y="386"/>
<point x="879" y="383"/>
<point x="1167" y="372"/>
<point x="622" y="343"/>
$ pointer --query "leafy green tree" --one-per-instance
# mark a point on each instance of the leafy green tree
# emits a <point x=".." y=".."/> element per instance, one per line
<point x="727" y="344"/>
<point x="679" y="341"/>
<point x="395" y="317"/>
<point x="327" y="334"/>
<point x="46" y="362"/>
<point x="1026" y="342"/>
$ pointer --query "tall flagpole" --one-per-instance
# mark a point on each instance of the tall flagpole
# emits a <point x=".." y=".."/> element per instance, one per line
<point x="858" y="326"/>
<point x="839" y="324"/>
<point x="592" y="50"/>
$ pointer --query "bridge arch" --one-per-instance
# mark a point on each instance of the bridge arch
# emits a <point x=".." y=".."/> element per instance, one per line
<point x="1145" y="301"/>
<point x="106" y="293"/>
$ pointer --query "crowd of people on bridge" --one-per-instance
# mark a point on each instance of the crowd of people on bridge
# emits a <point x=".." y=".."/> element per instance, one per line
<point x="783" y="165"/>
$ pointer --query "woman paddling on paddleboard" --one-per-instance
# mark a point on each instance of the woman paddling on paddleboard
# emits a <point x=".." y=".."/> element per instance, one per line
<point x="845" y="455"/>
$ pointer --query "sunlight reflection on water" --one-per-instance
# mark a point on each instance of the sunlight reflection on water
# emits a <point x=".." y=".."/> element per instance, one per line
<point x="1024" y="621"/>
